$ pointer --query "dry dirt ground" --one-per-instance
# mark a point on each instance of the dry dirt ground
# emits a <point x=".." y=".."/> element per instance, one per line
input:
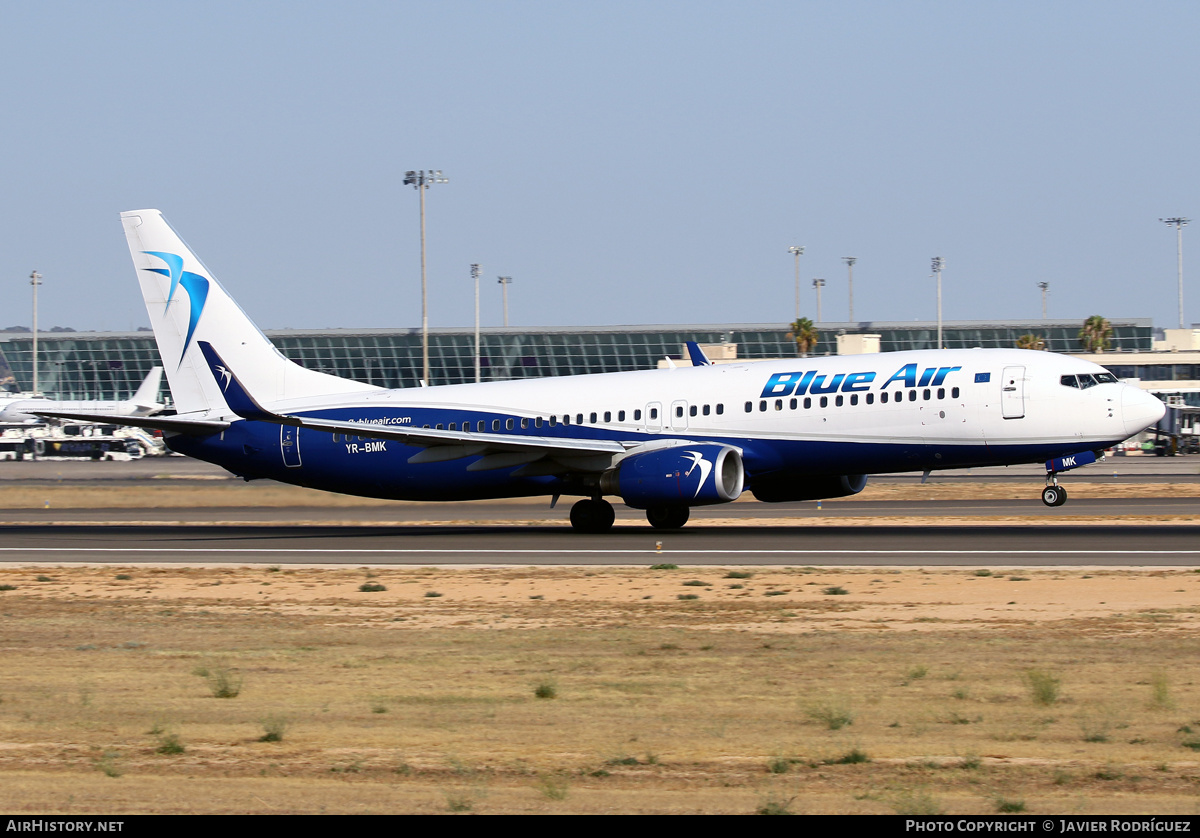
<point x="522" y="690"/>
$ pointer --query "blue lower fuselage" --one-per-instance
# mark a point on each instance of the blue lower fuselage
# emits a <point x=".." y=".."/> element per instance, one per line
<point x="379" y="468"/>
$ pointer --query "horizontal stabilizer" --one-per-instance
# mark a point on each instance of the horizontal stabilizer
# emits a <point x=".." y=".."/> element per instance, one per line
<point x="170" y="424"/>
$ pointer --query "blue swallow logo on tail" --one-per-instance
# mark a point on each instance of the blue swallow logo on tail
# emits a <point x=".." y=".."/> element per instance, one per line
<point x="195" y="285"/>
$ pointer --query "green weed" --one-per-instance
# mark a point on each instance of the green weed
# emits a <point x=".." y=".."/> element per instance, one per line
<point x="273" y="729"/>
<point x="772" y="805"/>
<point x="1043" y="686"/>
<point x="1160" y="691"/>
<point x="552" y="786"/>
<point x="916" y="803"/>
<point x="169" y="743"/>
<point x="833" y="714"/>
<point x="223" y="682"/>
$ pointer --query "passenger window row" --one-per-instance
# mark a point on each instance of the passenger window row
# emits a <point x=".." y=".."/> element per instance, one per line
<point x="591" y="418"/>
<point x="838" y="401"/>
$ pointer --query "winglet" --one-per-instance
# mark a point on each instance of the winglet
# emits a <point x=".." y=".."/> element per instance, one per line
<point x="236" y="396"/>
<point x="699" y="359"/>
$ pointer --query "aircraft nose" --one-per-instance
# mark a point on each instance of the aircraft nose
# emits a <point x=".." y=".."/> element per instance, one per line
<point x="1139" y="409"/>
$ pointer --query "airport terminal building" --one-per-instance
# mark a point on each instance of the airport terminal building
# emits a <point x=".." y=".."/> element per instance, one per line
<point x="110" y="365"/>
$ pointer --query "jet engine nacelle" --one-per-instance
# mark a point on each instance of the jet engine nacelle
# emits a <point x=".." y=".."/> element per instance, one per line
<point x="683" y="475"/>
<point x="773" y="489"/>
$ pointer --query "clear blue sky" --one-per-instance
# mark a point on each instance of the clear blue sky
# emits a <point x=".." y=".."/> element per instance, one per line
<point x="624" y="162"/>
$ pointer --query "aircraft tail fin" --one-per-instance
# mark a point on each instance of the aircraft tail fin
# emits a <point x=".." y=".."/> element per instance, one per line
<point x="186" y="304"/>
<point x="146" y="397"/>
<point x="696" y="354"/>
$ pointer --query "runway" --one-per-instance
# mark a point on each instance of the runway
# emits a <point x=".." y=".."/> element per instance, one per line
<point x="524" y="512"/>
<point x="947" y="532"/>
<point x="971" y="545"/>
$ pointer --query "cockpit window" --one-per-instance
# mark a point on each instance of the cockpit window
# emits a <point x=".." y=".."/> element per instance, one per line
<point x="1086" y="380"/>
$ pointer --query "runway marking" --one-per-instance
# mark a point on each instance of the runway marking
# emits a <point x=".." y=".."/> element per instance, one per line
<point x="640" y="551"/>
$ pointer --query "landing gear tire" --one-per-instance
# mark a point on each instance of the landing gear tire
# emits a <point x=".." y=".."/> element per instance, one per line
<point x="592" y="516"/>
<point x="1054" y="496"/>
<point x="667" y="517"/>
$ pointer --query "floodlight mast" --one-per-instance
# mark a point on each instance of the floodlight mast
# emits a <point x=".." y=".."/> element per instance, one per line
<point x="1178" y="224"/>
<point x="476" y="270"/>
<point x="420" y="181"/>
<point x="818" y="284"/>
<point x="938" y="263"/>
<point x="505" y="281"/>
<point x="35" y="279"/>
<point x="1045" y="286"/>
<point x="850" y="260"/>
<point x="797" y="252"/>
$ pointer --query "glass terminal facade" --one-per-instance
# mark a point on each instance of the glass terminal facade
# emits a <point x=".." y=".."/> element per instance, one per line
<point x="110" y="365"/>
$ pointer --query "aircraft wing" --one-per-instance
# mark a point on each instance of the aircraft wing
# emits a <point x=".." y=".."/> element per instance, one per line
<point x="440" y="445"/>
<point x="429" y="437"/>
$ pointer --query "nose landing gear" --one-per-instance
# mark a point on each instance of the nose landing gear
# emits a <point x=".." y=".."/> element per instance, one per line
<point x="1053" y="494"/>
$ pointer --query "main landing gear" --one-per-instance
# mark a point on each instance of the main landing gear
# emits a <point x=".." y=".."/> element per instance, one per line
<point x="667" y="517"/>
<point x="593" y="515"/>
<point x="596" y="515"/>
<point x="1053" y="494"/>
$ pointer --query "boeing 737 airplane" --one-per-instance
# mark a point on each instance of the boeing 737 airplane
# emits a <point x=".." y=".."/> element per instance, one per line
<point x="661" y="440"/>
<point x="144" y="403"/>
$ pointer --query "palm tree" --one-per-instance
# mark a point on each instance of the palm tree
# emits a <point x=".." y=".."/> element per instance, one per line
<point x="1095" y="334"/>
<point x="1030" y="341"/>
<point x="805" y="335"/>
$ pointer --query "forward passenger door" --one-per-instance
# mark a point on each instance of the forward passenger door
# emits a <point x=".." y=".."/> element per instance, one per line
<point x="1012" y="393"/>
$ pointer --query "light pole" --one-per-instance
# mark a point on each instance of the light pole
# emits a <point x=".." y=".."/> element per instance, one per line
<point x="797" y="251"/>
<point x="938" y="264"/>
<point x="35" y="279"/>
<point x="850" y="260"/>
<point x="421" y="181"/>
<point x="818" y="284"/>
<point x="475" y="271"/>
<point x="1178" y="224"/>
<point x="505" y="281"/>
<point x="1045" y="286"/>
